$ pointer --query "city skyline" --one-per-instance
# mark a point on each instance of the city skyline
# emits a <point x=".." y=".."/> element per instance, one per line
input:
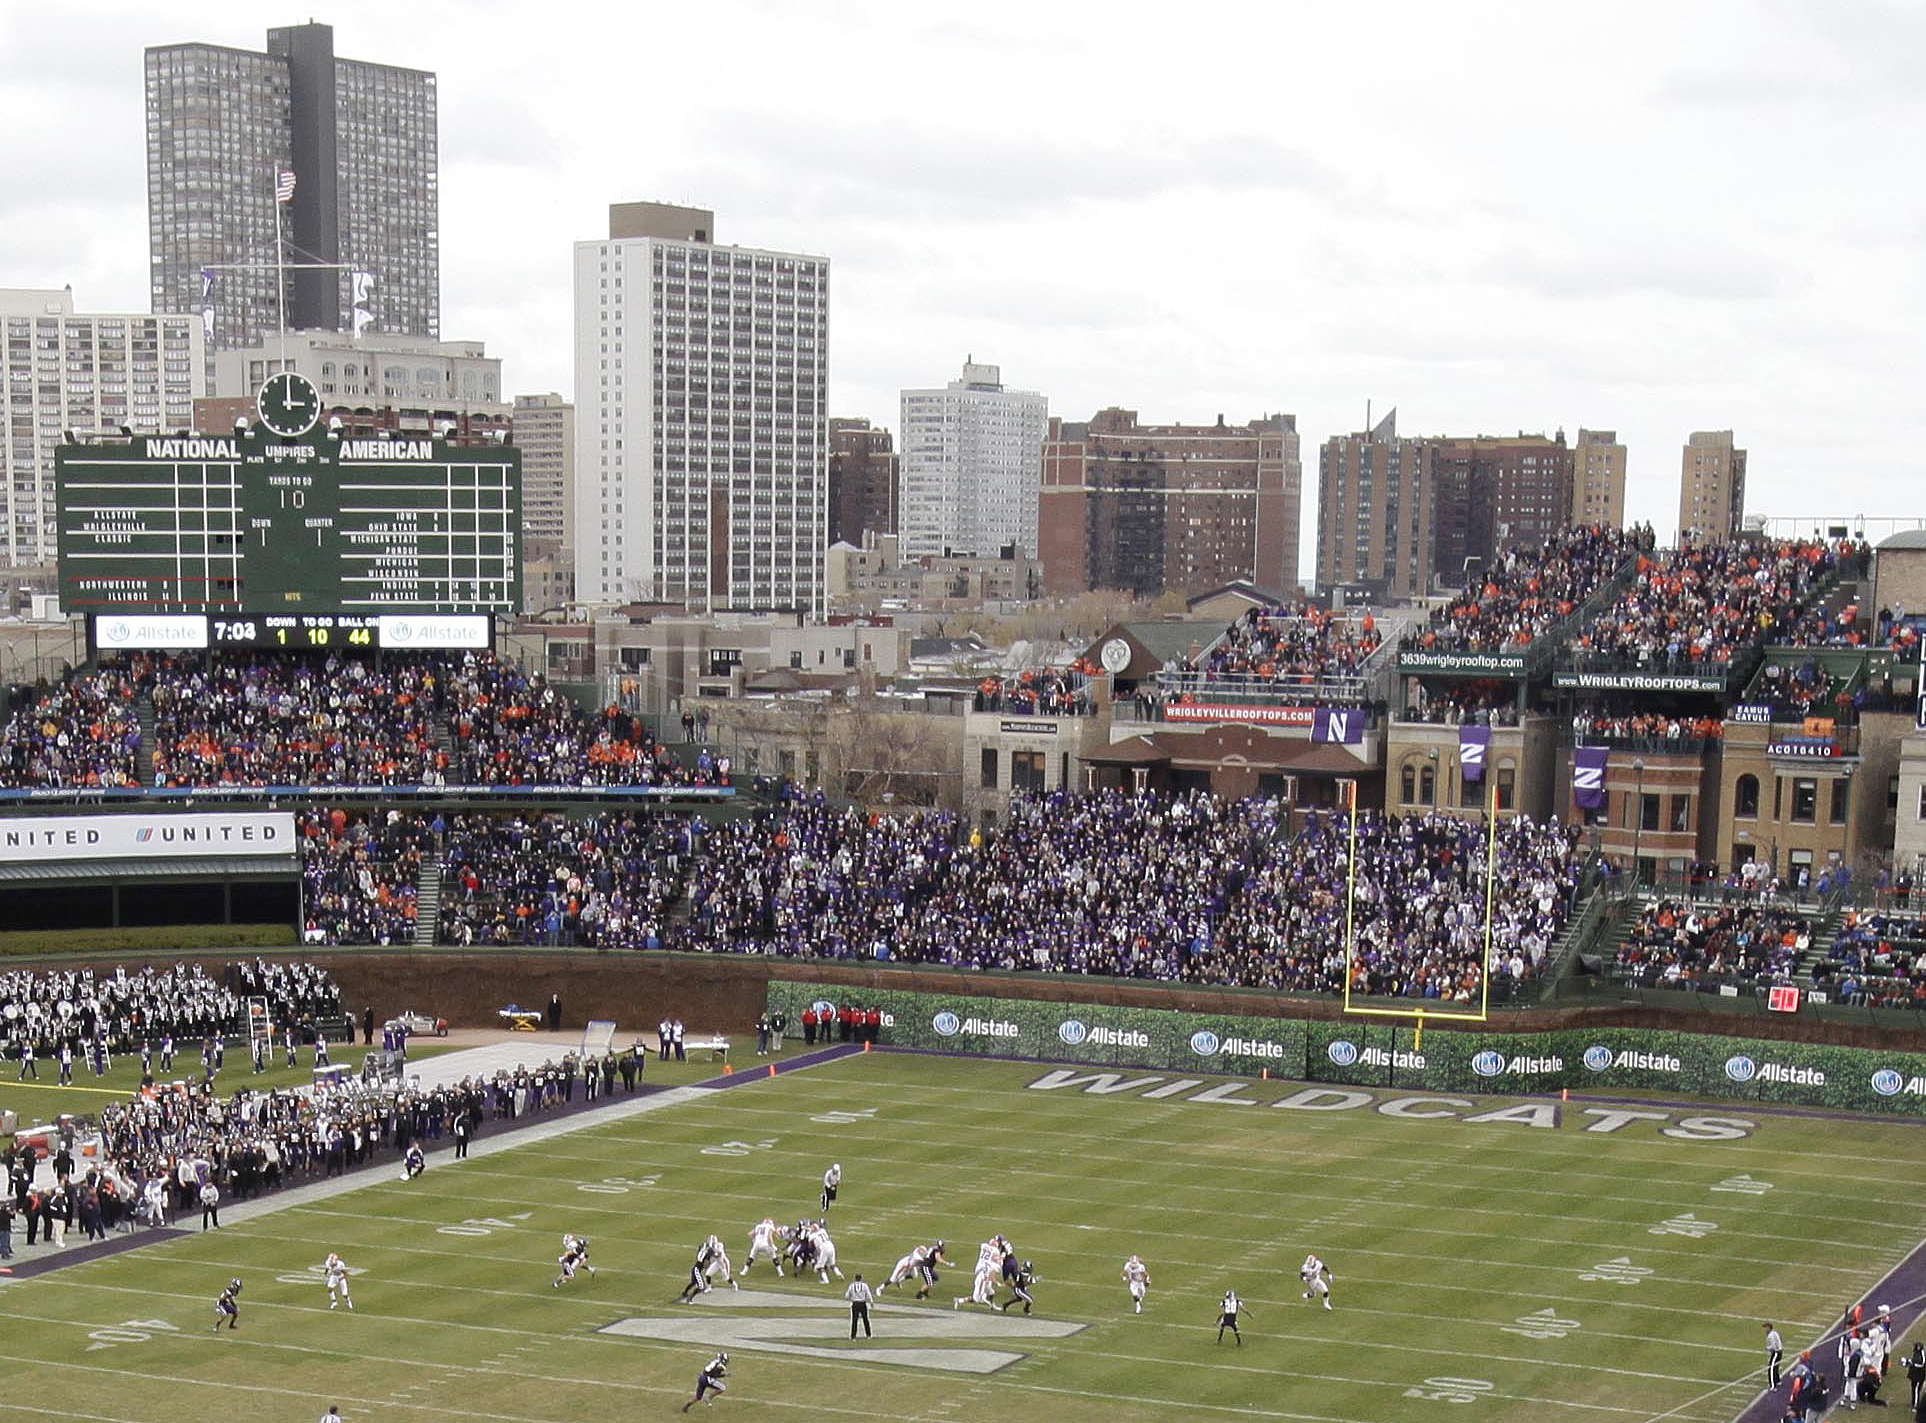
<point x="1593" y="243"/>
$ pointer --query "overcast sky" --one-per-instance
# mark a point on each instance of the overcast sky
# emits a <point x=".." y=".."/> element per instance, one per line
<point x="1652" y="218"/>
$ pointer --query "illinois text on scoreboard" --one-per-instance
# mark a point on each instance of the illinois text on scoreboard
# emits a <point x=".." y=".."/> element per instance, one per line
<point x="259" y="523"/>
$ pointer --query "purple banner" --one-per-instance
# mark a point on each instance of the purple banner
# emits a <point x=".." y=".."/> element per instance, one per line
<point x="1343" y="724"/>
<point x="1472" y="743"/>
<point x="1588" y="777"/>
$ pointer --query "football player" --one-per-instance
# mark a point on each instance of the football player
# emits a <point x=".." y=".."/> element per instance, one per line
<point x="228" y="1307"/>
<point x="1137" y="1275"/>
<point x="710" y="1381"/>
<point x="336" y="1271"/>
<point x="1317" y="1279"/>
<point x="766" y="1238"/>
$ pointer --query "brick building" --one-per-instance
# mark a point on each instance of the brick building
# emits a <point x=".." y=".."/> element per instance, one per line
<point x="1150" y="508"/>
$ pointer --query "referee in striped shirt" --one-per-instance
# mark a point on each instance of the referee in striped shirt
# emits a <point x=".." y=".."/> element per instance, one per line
<point x="860" y="1297"/>
<point x="1775" y="1355"/>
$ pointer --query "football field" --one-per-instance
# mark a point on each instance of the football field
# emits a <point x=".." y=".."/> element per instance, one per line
<point x="1574" y="1263"/>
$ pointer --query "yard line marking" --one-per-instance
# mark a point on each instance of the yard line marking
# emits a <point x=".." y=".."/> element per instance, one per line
<point x="1279" y="1302"/>
<point x="1081" y="1281"/>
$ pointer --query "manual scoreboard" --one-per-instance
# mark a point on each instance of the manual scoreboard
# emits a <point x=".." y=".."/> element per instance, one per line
<point x="243" y="527"/>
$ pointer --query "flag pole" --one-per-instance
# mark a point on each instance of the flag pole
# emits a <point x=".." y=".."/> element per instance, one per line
<point x="280" y="266"/>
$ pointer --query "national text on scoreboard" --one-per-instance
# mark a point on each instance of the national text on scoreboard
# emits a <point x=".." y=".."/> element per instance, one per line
<point x="252" y="524"/>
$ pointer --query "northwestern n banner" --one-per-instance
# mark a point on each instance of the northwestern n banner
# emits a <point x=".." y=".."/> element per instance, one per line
<point x="1588" y="777"/>
<point x="1472" y="744"/>
<point x="1344" y="725"/>
<point x="43" y="839"/>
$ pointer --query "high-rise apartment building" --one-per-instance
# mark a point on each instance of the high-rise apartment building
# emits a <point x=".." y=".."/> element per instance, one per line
<point x="1150" y="508"/>
<point x="1375" y="511"/>
<point x="545" y="434"/>
<point x="1711" y="486"/>
<point x="1497" y="492"/>
<point x="972" y="466"/>
<point x="360" y="140"/>
<point x="862" y="481"/>
<point x="92" y="374"/>
<point x="1598" y="479"/>
<point x="701" y="436"/>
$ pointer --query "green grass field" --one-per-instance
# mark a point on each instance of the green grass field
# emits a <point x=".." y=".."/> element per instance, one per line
<point x="1484" y="1270"/>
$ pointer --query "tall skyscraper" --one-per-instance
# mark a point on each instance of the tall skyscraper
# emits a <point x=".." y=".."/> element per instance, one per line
<point x="701" y="452"/>
<point x="862" y="481"/>
<point x="360" y="140"/>
<point x="972" y="466"/>
<point x="1376" y="506"/>
<point x="1598" y="479"/>
<point x="1712" y="486"/>
<point x="91" y="374"/>
<point x="545" y="434"/>
<point x="1151" y="508"/>
<point x="1496" y="492"/>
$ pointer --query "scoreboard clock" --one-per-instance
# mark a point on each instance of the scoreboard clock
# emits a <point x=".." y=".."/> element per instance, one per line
<point x="289" y="405"/>
<point x="287" y="518"/>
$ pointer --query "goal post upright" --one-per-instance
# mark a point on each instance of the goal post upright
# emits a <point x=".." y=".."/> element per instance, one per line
<point x="1421" y="1015"/>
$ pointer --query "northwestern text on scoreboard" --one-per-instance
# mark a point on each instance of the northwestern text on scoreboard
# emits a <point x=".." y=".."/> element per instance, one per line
<point x="252" y="523"/>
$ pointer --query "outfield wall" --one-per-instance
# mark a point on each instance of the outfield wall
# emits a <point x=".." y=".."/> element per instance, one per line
<point x="1355" y="1053"/>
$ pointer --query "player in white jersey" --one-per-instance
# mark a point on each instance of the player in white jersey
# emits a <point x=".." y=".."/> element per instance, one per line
<point x="337" y="1276"/>
<point x="910" y="1264"/>
<point x="822" y="1252"/>
<point x="719" y="1262"/>
<point x="832" y="1178"/>
<point x="1317" y="1278"/>
<point x="989" y="1265"/>
<point x="765" y="1239"/>
<point x="1137" y="1275"/>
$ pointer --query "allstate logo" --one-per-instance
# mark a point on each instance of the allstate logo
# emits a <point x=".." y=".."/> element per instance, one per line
<point x="823" y="1006"/>
<point x="1072" y="1031"/>
<point x="1488" y="1063"/>
<point x="946" y="1023"/>
<point x="1887" y="1083"/>
<point x="114" y="631"/>
<point x="1204" y="1042"/>
<point x="1598" y="1057"/>
<point x="400" y="630"/>
<point x="1343" y="1052"/>
<point x="1741" y="1068"/>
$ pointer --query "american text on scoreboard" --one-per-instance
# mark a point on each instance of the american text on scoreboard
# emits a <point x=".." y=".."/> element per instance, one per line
<point x="233" y="526"/>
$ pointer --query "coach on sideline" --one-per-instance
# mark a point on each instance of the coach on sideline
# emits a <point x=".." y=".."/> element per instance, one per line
<point x="859" y="1296"/>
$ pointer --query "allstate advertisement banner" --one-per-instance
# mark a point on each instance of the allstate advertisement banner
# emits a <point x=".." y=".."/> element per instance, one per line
<point x="1366" y="1053"/>
<point x="42" y="839"/>
<point x="1065" y="1032"/>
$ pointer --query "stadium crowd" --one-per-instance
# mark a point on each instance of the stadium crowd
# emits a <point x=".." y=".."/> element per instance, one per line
<point x="1700" y="603"/>
<point x="603" y="880"/>
<point x="127" y="1007"/>
<point x="82" y="731"/>
<point x="1680" y="944"/>
<point x="513" y="728"/>
<point x="1646" y="726"/>
<point x="1529" y="590"/>
<point x="280" y="721"/>
<point x="361" y="875"/>
<point x="1185" y="888"/>
<point x="1291" y="645"/>
<point x="1877" y="960"/>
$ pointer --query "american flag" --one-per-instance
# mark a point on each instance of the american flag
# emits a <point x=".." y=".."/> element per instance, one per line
<point x="284" y="186"/>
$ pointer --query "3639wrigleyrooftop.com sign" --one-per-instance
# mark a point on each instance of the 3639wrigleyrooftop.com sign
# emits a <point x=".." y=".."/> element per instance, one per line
<point x="43" y="839"/>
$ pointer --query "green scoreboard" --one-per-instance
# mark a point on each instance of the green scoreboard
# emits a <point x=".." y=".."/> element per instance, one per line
<point x="306" y="529"/>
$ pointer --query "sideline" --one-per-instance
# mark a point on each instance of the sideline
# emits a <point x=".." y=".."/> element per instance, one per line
<point x="569" y="1117"/>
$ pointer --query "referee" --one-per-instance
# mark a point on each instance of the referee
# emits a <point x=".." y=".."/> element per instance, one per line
<point x="1775" y="1355"/>
<point x="860" y="1297"/>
